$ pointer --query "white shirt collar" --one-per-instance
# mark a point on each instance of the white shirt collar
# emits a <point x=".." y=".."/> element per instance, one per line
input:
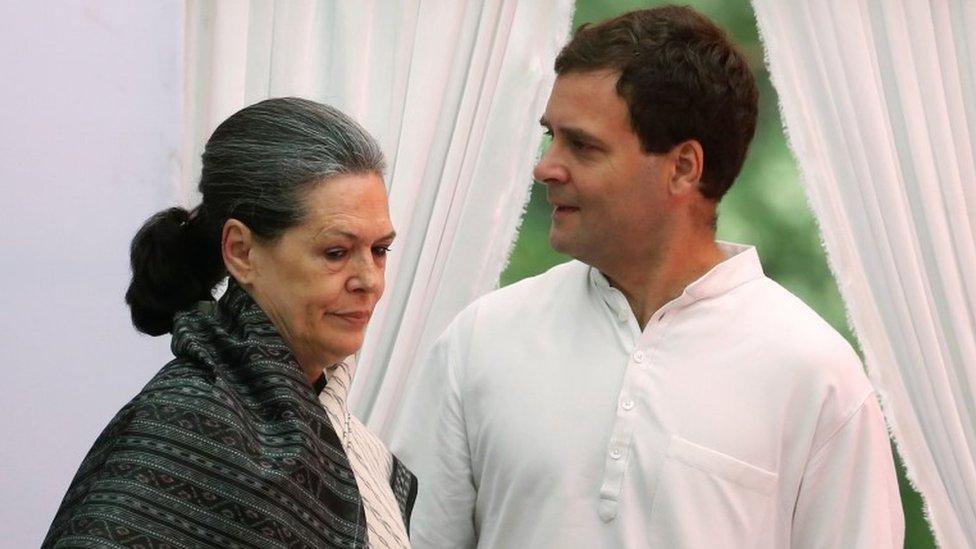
<point x="741" y="265"/>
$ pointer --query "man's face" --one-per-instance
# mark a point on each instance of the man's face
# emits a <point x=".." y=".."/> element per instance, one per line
<point x="610" y="200"/>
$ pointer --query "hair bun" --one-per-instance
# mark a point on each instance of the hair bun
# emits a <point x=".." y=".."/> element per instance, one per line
<point x="170" y="271"/>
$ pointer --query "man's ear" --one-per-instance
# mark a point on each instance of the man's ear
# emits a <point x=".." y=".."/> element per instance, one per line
<point x="236" y="245"/>
<point x="688" y="160"/>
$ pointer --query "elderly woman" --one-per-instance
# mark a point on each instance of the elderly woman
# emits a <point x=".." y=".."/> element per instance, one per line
<point x="244" y="439"/>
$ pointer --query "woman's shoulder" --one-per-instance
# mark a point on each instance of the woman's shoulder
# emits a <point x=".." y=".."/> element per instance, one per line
<point x="138" y="447"/>
<point x="188" y="399"/>
<point x="179" y="387"/>
<point x="179" y="377"/>
<point x="178" y="381"/>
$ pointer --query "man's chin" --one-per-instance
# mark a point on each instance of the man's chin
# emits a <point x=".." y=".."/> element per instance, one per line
<point x="572" y="248"/>
<point x="562" y="243"/>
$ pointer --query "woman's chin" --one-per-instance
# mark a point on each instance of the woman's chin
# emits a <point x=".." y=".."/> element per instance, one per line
<point x="339" y="350"/>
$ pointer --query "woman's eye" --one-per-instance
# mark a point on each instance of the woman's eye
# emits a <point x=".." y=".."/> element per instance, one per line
<point x="335" y="254"/>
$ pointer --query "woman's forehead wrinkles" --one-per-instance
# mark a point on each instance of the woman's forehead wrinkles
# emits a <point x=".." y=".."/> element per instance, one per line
<point x="343" y="231"/>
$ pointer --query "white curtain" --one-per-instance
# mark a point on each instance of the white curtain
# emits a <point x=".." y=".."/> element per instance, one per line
<point x="879" y="100"/>
<point x="450" y="88"/>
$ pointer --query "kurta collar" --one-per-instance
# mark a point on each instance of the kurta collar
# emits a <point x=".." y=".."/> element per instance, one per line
<point x="340" y="380"/>
<point x="740" y="266"/>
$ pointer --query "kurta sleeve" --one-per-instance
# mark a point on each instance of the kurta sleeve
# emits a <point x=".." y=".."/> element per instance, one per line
<point x="431" y="439"/>
<point x="849" y="493"/>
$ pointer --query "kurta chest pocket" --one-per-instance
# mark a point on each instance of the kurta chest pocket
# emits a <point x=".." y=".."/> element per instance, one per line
<point x="708" y="499"/>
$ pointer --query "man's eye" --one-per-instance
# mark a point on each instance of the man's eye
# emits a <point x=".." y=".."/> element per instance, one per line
<point x="381" y="251"/>
<point x="580" y="146"/>
<point x="335" y="254"/>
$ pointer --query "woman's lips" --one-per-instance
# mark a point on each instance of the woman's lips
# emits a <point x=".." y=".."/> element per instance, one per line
<point x="354" y="318"/>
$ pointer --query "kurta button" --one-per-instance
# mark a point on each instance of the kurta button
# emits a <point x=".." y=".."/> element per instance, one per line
<point x="628" y="404"/>
<point x="638" y="356"/>
<point x="615" y="453"/>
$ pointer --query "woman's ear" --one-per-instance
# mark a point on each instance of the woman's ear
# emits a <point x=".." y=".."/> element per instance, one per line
<point x="688" y="159"/>
<point x="236" y="245"/>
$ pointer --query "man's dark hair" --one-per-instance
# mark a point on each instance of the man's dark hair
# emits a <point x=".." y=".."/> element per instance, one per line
<point x="681" y="78"/>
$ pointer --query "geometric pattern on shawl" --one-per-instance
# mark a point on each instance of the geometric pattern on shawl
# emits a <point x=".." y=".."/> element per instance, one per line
<point x="227" y="446"/>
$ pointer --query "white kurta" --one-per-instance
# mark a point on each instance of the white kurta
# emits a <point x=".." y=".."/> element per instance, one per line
<point x="370" y="461"/>
<point x="737" y="418"/>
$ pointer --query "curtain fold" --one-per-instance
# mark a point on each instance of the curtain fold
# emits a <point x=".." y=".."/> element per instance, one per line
<point x="879" y="101"/>
<point x="450" y="89"/>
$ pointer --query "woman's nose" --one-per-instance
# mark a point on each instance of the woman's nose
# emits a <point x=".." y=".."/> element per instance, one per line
<point x="367" y="276"/>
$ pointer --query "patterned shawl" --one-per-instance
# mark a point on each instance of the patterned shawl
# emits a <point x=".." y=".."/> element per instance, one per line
<point x="228" y="446"/>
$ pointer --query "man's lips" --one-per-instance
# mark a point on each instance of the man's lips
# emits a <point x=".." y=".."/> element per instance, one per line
<point x="560" y="210"/>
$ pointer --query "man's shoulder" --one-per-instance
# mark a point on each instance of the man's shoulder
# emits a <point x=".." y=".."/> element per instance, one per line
<point x="524" y="303"/>
<point x="821" y="376"/>
<point x="796" y="336"/>
<point x="536" y="293"/>
<point x="557" y="280"/>
<point x="797" y="325"/>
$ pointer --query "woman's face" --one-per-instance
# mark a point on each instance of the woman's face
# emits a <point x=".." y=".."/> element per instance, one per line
<point x="319" y="281"/>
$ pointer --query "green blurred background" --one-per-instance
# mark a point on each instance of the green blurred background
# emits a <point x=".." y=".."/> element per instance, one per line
<point x="766" y="207"/>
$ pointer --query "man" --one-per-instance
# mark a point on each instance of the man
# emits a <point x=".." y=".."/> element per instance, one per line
<point x="659" y="391"/>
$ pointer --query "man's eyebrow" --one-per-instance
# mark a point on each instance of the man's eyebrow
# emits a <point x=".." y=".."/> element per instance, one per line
<point x="578" y="134"/>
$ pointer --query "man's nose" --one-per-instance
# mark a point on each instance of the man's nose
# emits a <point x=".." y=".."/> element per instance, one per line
<point x="550" y="169"/>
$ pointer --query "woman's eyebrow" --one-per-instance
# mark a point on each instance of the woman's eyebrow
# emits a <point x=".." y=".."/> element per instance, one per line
<point x="349" y="235"/>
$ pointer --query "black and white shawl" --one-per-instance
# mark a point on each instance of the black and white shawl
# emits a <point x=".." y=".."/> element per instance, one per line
<point x="227" y="446"/>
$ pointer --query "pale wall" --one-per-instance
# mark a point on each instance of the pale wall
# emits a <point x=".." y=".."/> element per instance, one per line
<point x="89" y="130"/>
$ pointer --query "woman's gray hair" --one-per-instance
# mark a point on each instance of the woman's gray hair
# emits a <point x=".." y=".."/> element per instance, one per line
<point x="257" y="167"/>
<point x="257" y="163"/>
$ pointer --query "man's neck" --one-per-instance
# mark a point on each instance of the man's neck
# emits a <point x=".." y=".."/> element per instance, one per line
<point x="648" y="285"/>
